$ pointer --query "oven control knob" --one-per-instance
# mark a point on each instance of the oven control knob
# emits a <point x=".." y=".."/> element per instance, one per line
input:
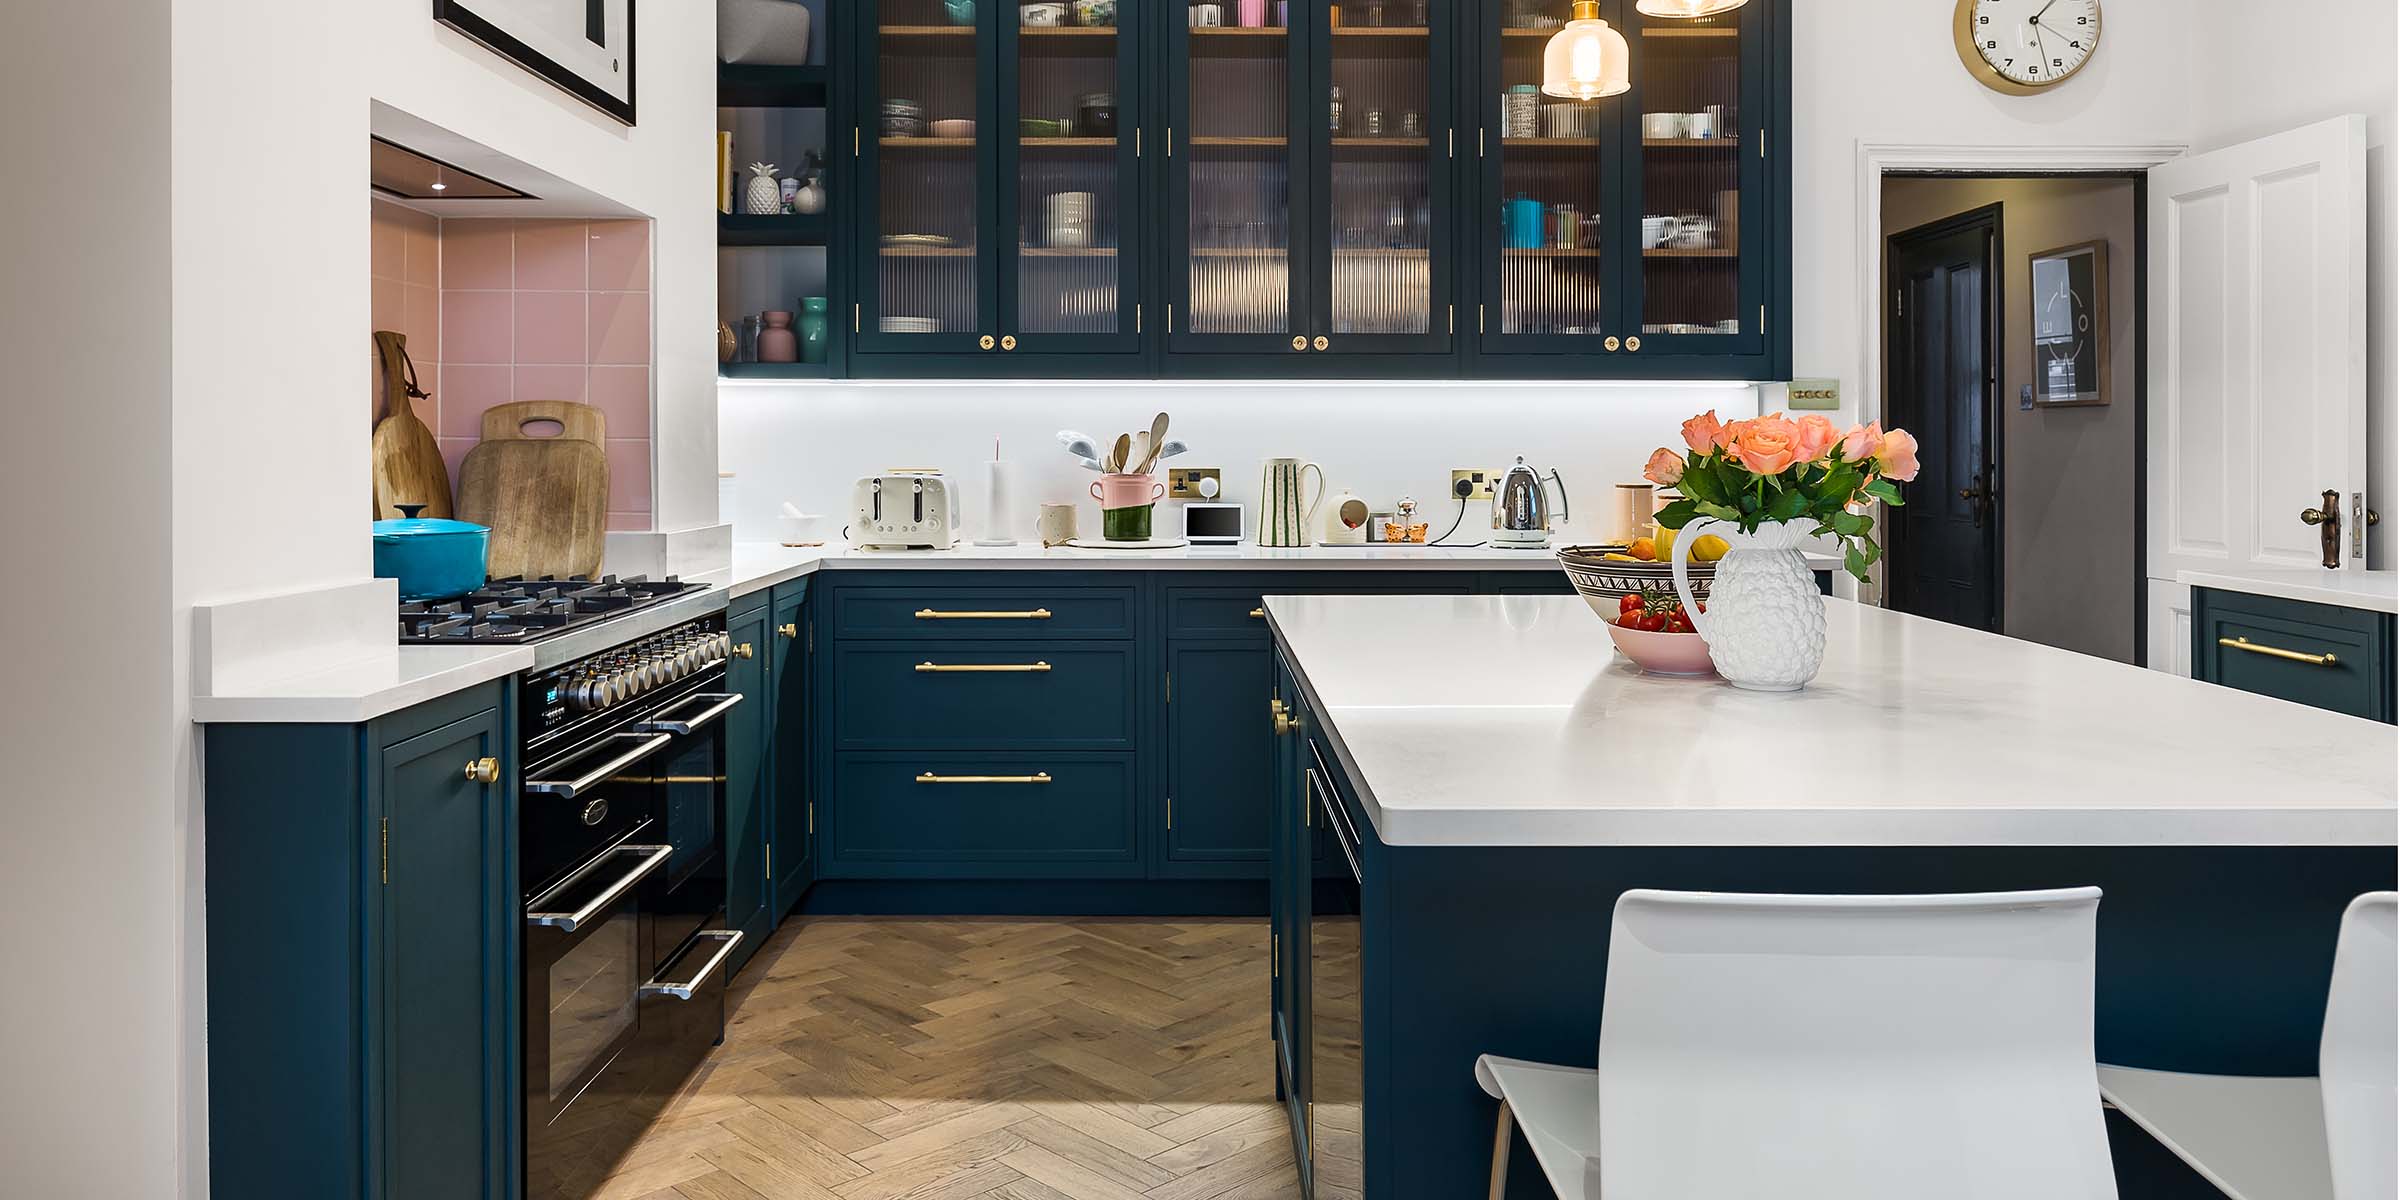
<point x="589" y="694"/>
<point x="721" y="647"/>
<point x="625" y="684"/>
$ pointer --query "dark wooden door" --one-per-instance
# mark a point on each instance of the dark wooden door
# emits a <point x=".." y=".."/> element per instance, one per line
<point x="793" y="823"/>
<point x="1945" y="544"/>
<point x="442" y="927"/>
<point x="1219" y="773"/>
<point x="746" y="815"/>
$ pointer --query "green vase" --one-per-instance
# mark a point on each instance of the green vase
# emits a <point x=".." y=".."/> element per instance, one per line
<point x="1126" y="524"/>
<point x="815" y="329"/>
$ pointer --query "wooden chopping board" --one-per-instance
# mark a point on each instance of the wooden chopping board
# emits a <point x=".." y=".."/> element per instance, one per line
<point x="408" y="466"/>
<point x="545" y="498"/>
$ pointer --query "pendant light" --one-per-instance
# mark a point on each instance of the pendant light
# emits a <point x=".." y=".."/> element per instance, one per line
<point x="1686" y="10"/>
<point x="1586" y="60"/>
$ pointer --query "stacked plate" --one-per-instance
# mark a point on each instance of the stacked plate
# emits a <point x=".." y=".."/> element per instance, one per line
<point x="1603" y="582"/>
<point x="908" y="325"/>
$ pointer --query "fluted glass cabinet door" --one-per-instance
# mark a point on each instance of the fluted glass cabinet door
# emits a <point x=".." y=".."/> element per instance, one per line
<point x="1070" y="158"/>
<point x="1550" y="191"/>
<point x="1384" y="148"/>
<point x="1237" y="195"/>
<point x="928" y="282"/>
<point x="1696" y="167"/>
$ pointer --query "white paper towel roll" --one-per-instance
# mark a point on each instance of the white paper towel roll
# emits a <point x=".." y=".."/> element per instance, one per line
<point x="999" y="504"/>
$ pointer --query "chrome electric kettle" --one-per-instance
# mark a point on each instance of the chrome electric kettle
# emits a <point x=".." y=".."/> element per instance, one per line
<point x="1521" y="508"/>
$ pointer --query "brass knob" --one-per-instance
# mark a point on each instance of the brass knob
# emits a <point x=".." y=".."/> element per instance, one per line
<point x="985" y="341"/>
<point x="2318" y="516"/>
<point x="1320" y="342"/>
<point x="1611" y="345"/>
<point x="1633" y="343"/>
<point x="790" y="631"/>
<point x="1008" y="342"/>
<point x="744" y="650"/>
<point x="484" y="770"/>
<point x="1299" y="343"/>
<point x="1285" y="722"/>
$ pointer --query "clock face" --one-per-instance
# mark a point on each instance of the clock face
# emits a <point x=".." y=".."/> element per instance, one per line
<point x="2026" y="45"/>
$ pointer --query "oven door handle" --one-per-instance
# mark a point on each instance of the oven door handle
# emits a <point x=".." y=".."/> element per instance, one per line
<point x="726" y="940"/>
<point x="570" y="788"/>
<point x="724" y="702"/>
<point x="653" y="857"/>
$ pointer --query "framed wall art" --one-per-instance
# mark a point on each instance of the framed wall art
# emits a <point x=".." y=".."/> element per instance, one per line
<point x="585" y="47"/>
<point x="2070" y="325"/>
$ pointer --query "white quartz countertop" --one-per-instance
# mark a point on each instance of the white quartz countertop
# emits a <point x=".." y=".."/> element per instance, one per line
<point x="2378" y="591"/>
<point x="364" y="689"/>
<point x="1508" y="721"/>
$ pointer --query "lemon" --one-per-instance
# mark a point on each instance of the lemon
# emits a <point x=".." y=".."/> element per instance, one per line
<point x="1709" y="548"/>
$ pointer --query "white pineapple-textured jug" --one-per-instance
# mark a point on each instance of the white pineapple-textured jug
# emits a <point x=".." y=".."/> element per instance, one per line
<point x="764" y="197"/>
<point x="1765" y="624"/>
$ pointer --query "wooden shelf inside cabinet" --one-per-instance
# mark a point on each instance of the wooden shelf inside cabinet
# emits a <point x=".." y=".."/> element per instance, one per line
<point x="1381" y="252"/>
<point x="774" y="371"/>
<point x="1528" y="33"/>
<point x="1691" y="143"/>
<point x="1692" y="32"/>
<point x="926" y="143"/>
<point x="1069" y="143"/>
<point x="1212" y="32"/>
<point x="1546" y="252"/>
<point x="1711" y="252"/>
<point x="1204" y="142"/>
<point x="1066" y="31"/>
<point x="926" y="251"/>
<point x="1550" y="143"/>
<point x="741" y="229"/>
<point x="927" y="31"/>
<point x="1239" y="252"/>
<point x="1380" y="143"/>
<point x="1067" y="251"/>
<point x="744" y="85"/>
<point x="1360" y="31"/>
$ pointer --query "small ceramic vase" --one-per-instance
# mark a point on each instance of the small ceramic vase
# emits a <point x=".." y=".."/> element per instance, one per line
<point x="816" y="329"/>
<point x="776" y="342"/>
<point x="763" y="197"/>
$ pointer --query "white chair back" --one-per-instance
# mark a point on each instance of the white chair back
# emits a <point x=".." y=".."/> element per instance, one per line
<point x="1851" y="1048"/>
<point x="2359" y="1057"/>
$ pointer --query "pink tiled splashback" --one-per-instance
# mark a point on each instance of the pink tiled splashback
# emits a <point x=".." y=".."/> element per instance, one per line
<point x="498" y="310"/>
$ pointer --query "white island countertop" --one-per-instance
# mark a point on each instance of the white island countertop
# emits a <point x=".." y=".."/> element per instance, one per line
<point x="1509" y="721"/>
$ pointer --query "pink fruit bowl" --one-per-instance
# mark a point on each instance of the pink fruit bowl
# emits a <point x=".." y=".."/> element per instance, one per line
<point x="1679" y="654"/>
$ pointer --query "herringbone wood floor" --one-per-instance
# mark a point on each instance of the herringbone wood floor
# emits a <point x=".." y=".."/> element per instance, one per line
<point x="1010" y="1060"/>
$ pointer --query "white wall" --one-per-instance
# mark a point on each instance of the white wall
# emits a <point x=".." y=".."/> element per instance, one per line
<point x="88" y="748"/>
<point x="1380" y="440"/>
<point x="2340" y="59"/>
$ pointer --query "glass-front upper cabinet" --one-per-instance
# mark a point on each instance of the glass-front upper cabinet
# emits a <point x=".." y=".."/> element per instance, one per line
<point x="1696" y="167"/>
<point x="926" y="280"/>
<point x="1383" y="156"/>
<point x="1238" y="180"/>
<point x="1070" y="138"/>
<point x="1551" y="276"/>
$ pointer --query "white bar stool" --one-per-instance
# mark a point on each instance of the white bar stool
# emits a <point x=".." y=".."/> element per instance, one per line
<point x="2297" y="1138"/>
<point x="1827" y="1048"/>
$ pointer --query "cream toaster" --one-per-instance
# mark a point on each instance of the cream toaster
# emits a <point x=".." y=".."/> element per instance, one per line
<point x="904" y="510"/>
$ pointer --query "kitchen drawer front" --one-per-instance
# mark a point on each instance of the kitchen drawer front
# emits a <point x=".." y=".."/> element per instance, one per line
<point x="966" y="815"/>
<point x="984" y="695"/>
<point x="984" y="614"/>
<point x="1227" y="611"/>
<point x="2327" y="657"/>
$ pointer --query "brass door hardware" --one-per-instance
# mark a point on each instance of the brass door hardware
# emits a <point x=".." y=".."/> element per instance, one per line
<point x="1633" y="343"/>
<point x="985" y="341"/>
<point x="1299" y="343"/>
<point x="1284" y="720"/>
<point x="1008" y="341"/>
<point x="1030" y="614"/>
<point x="745" y="650"/>
<point x="383" y="852"/>
<point x="1258" y="613"/>
<point x="2327" y="517"/>
<point x="1036" y="777"/>
<point x="1320" y="343"/>
<point x="1611" y="345"/>
<point x="985" y="668"/>
<point x="790" y="631"/>
<point x="483" y="770"/>
<point x="2249" y="647"/>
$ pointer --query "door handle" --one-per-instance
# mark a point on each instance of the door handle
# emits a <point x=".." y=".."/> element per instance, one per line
<point x="653" y="857"/>
<point x="726" y="940"/>
<point x="1037" y="668"/>
<point x="570" y="787"/>
<point x="1977" y="498"/>
<point x="483" y="770"/>
<point x="1030" y="614"/>
<point x="1036" y="777"/>
<point x="2327" y="517"/>
<point x="2247" y="646"/>
<point x="718" y="703"/>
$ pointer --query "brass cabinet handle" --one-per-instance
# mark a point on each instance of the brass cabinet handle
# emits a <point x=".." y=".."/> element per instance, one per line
<point x="1320" y="343"/>
<point x="1259" y="613"/>
<point x="2250" y="647"/>
<point x="484" y="770"/>
<point x="1633" y="343"/>
<point x="1299" y="343"/>
<point x="744" y="650"/>
<point x="1611" y="345"/>
<point x="1030" y="614"/>
<point x="790" y="631"/>
<point x="1285" y="721"/>
<point x="1008" y="341"/>
<point x="992" y="668"/>
<point x="985" y="341"/>
<point x="1036" y="777"/>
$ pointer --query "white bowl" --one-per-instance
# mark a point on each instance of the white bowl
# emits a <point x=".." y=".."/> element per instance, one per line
<point x="801" y="530"/>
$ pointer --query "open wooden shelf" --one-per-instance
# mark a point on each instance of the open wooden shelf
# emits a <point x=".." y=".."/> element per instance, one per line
<point x="792" y="370"/>
<point x="741" y="85"/>
<point x="798" y="229"/>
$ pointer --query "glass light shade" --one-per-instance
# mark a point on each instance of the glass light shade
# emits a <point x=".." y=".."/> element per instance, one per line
<point x="1686" y="10"/>
<point x="1586" y="59"/>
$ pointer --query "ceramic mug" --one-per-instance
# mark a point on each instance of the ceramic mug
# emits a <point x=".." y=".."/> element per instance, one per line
<point x="1056" y="524"/>
<point x="1663" y="126"/>
<point x="1658" y="231"/>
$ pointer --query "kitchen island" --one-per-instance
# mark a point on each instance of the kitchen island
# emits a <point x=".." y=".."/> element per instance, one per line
<point x="1465" y="784"/>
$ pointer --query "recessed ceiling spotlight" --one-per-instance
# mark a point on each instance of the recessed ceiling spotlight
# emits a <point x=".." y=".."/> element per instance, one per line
<point x="440" y="186"/>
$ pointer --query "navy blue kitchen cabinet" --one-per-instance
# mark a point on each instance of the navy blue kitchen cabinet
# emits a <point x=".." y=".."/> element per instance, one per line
<point x="792" y="823"/>
<point x="362" y="942"/>
<point x="1352" y="194"/>
<point x="2315" y="654"/>
<point x="747" y="770"/>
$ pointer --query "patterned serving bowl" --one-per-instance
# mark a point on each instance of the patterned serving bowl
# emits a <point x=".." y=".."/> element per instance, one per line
<point x="1603" y="582"/>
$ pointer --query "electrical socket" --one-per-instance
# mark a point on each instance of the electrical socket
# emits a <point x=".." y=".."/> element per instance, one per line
<point x="1183" y="483"/>
<point x="1478" y="484"/>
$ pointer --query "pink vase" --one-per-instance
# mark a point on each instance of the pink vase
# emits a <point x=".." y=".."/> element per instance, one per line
<point x="776" y="342"/>
<point x="1252" y="13"/>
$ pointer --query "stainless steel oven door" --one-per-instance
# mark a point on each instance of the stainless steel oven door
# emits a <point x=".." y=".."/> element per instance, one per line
<point x="1336" y="1062"/>
<point x="586" y="959"/>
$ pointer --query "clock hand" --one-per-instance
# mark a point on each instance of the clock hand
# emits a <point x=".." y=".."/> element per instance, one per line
<point x="2045" y="11"/>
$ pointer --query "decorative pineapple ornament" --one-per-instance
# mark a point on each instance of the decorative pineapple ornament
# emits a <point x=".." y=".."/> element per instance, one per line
<point x="764" y="197"/>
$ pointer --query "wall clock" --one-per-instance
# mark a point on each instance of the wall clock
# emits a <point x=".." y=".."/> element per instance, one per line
<point x="2025" y="47"/>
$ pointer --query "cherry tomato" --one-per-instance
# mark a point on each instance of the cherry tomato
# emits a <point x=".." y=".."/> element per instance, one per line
<point x="1650" y="621"/>
<point x="1631" y="603"/>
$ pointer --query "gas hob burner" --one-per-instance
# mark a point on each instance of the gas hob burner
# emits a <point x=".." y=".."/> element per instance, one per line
<point x="518" y="609"/>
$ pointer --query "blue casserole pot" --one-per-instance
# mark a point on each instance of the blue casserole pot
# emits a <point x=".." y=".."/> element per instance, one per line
<point x="432" y="559"/>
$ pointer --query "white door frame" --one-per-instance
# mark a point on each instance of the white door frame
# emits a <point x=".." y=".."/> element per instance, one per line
<point x="1877" y="159"/>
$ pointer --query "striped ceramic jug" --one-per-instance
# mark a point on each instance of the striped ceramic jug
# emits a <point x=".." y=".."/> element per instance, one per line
<point x="1283" y="513"/>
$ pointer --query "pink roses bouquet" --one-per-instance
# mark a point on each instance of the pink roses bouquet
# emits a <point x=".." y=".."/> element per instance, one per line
<point x="1777" y="468"/>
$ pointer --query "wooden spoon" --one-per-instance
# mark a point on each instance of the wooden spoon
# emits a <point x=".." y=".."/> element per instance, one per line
<point x="1158" y="439"/>
<point x="1141" y="451"/>
<point x="1118" y="453"/>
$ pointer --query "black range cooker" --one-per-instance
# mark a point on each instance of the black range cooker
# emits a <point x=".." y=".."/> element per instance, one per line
<point x="622" y="857"/>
